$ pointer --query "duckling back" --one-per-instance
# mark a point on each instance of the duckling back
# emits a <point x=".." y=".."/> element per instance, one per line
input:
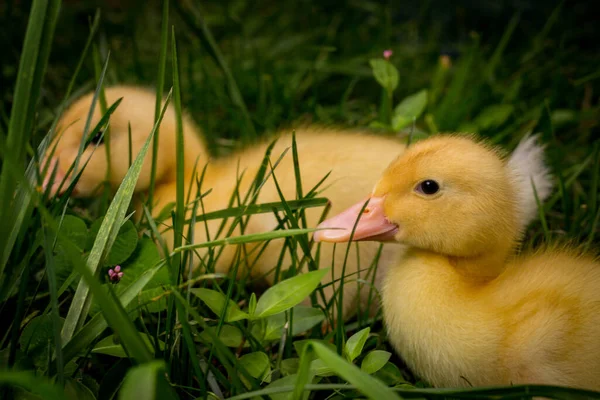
<point x="548" y="304"/>
<point x="353" y="161"/>
<point x="537" y="323"/>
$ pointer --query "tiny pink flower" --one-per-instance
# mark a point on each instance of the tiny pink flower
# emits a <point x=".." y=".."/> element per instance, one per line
<point x="387" y="54"/>
<point x="115" y="275"/>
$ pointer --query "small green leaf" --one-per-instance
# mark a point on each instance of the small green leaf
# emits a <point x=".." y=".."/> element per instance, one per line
<point x="111" y="346"/>
<point x="355" y="344"/>
<point x="493" y="116"/>
<point x="35" y="384"/>
<point x="258" y="331"/>
<point x="92" y="329"/>
<point x="252" y="304"/>
<point x="385" y="73"/>
<point x="288" y="293"/>
<point x="147" y="381"/>
<point x="216" y="301"/>
<point x="144" y="257"/>
<point x="289" y="366"/>
<point x="36" y="337"/>
<point x="124" y="244"/>
<point x="319" y="368"/>
<point x="300" y="344"/>
<point x="563" y="116"/>
<point x="74" y="233"/>
<point x="75" y="390"/>
<point x="409" y="110"/>
<point x="390" y="374"/>
<point x="289" y="380"/>
<point x="230" y="336"/>
<point x="369" y="386"/>
<point x="305" y="318"/>
<point x="153" y="300"/>
<point x="374" y="361"/>
<point x="63" y="265"/>
<point x="379" y="125"/>
<point x="75" y="230"/>
<point x="256" y="364"/>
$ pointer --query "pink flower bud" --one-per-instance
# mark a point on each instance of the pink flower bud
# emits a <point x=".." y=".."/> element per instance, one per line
<point x="115" y="274"/>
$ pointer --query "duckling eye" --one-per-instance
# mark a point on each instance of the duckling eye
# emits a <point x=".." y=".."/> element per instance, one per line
<point x="428" y="187"/>
<point x="98" y="137"/>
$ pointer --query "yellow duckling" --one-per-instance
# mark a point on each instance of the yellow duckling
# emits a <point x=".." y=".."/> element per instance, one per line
<point x="137" y="109"/>
<point x="320" y="150"/>
<point x="355" y="159"/>
<point x="460" y="307"/>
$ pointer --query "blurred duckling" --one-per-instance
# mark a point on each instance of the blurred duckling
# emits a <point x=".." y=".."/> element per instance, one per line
<point x="460" y="306"/>
<point x="355" y="159"/>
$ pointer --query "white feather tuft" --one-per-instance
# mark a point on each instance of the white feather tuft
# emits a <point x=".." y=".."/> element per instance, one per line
<point x="527" y="164"/>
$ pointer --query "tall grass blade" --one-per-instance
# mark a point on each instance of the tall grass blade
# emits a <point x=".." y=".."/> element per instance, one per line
<point x="35" y="384"/>
<point x="55" y="313"/>
<point x="23" y="197"/>
<point x="497" y="56"/>
<point x="147" y="381"/>
<point x="32" y="67"/>
<point x="192" y="15"/>
<point x="106" y="237"/>
<point x="541" y="212"/>
<point x="595" y="186"/>
<point x="369" y="386"/>
<point x="117" y="318"/>
<point x="180" y="162"/>
<point x="88" y="121"/>
<point x="253" y="237"/>
<point x="175" y="264"/>
<point x="93" y="328"/>
<point x="160" y="87"/>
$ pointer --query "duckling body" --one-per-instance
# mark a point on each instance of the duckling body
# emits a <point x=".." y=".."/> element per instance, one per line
<point x="320" y="150"/>
<point x="536" y="323"/>
<point x="460" y="306"/>
<point x="355" y="159"/>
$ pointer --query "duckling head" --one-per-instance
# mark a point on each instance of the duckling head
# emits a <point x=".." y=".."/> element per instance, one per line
<point x="136" y="110"/>
<point x="448" y="195"/>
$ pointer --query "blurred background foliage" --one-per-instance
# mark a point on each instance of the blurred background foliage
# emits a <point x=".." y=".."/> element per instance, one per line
<point x="500" y="68"/>
<point x="297" y="59"/>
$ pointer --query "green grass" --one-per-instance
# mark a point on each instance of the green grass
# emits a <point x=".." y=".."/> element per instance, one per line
<point x="242" y="71"/>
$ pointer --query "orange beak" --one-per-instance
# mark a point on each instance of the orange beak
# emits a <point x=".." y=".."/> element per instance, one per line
<point x="372" y="224"/>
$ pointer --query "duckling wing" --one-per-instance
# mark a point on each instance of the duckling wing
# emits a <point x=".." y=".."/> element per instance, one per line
<point x="550" y="310"/>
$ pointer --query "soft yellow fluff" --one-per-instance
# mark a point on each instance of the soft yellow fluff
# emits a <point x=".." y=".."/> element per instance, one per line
<point x="356" y="160"/>
<point x="344" y="153"/>
<point x="460" y="307"/>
